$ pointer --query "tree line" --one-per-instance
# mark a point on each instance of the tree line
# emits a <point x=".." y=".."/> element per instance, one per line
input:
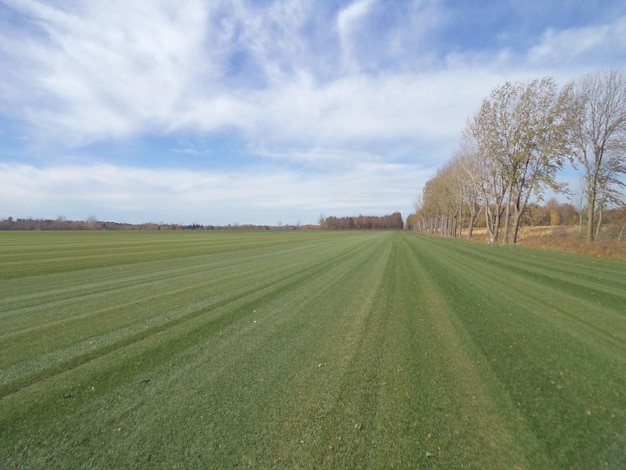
<point x="513" y="147"/>
<point x="363" y="222"/>
<point x="61" y="223"/>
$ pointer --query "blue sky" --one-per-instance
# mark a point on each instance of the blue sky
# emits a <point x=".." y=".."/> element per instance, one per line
<point x="218" y="112"/>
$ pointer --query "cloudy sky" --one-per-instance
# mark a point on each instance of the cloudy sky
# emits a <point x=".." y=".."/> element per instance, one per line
<point x="218" y="112"/>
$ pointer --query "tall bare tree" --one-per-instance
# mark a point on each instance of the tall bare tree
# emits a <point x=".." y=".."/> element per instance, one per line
<point x="600" y="140"/>
<point x="487" y="177"/>
<point x="450" y="201"/>
<point x="470" y="193"/>
<point x="520" y="136"/>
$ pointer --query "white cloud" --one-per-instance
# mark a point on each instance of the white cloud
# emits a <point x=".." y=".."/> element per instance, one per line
<point x="334" y="99"/>
<point x="137" y="195"/>
<point x="116" y="70"/>
<point x="597" y="43"/>
<point x="119" y="69"/>
<point x="347" y="21"/>
<point x="110" y="69"/>
<point x="191" y="151"/>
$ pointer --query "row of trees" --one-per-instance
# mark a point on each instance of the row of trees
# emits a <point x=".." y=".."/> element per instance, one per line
<point x="61" y="223"/>
<point x="363" y="222"/>
<point x="513" y="147"/>
<point x="552" y="213"/>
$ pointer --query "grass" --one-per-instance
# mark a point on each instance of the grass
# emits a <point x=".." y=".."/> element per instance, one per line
<point x="307" y="350"/>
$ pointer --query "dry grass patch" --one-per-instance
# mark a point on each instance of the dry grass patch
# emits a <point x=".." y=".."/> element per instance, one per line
<point x="561" y="238"/>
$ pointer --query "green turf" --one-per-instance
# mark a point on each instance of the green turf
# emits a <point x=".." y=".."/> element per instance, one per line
<point x="307" y="350"/>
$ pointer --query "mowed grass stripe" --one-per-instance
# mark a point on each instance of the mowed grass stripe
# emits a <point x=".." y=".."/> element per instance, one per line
<point x="565" y="375"/>
<point x="38" y="253"/>
<point x="60" y="290"/>
<point x="131" y="313"/>
<point x="324" y="350"/>
<point x="594" y="314"/>
<point x="601" y="280"/>
<point x="288" y="385"/>
<point x="410" y="401"/>
<point x="186" y="352"/>
<point x="467" y="419"/>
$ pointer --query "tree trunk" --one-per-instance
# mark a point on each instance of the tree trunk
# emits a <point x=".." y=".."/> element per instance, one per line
<point x="599" y="221"/>
<point x="470" y="229"/>
<point x="489" y="223"/>
<point x="520" y="205"/>
<point x="507" y="216"/>
<point x="591" y="203"/>
<point x="580" y="221"/>
<point x="516" y="218"/>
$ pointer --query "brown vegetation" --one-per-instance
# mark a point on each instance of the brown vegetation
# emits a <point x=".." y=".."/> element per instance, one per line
<point x="563" y="238"/>
<point x="363" y="222"/>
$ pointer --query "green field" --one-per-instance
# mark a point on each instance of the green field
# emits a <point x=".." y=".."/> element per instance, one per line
<point x="307" y="350"/>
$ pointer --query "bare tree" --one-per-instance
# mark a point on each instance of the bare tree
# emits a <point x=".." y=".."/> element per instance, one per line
<point x="469" y="190"/>
<point x="449" y="201"/>
<point x="486" y="175"/>
<point x="577" y="197"/>
<point x="600" y="140"/>
<point x="521" y="139"/>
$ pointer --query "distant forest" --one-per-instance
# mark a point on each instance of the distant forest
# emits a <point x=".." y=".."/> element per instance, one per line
<point x="363" y="222"/>
<point x="62" y="223"/>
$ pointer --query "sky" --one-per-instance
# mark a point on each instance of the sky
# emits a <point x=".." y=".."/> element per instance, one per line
<point x="263" y="112"/>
